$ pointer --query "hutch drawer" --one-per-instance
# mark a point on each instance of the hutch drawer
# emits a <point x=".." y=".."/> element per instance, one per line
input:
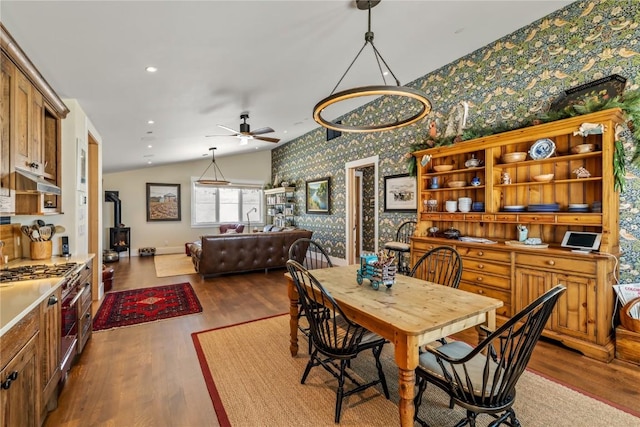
<point x="489" y="254"/>
<point x="486" y="267"/>
<point x="553" y="262"/>
<point x="481" y="278"/>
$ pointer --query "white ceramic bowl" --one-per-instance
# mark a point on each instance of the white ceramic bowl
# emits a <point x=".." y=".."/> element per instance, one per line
<point x="451" y="206"/>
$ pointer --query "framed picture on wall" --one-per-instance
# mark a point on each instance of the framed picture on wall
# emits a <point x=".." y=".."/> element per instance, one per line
<point x="81" y="166"/>
<point x="163" y="202"/>
<point x="400" y="193"/>
<point x="318" y="196"/>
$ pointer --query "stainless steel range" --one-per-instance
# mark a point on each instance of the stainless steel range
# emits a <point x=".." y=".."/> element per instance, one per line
<point x="37" y="271"/>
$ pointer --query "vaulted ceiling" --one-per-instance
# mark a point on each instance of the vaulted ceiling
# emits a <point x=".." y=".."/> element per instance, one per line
<point x="217" y="59"/>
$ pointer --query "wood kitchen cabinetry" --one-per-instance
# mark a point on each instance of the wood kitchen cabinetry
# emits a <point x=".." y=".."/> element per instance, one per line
<point x="30" y="116"/>
<point x="19" y="380"/>
<point x="50" y="331"/>
<point x="512" y="272"/>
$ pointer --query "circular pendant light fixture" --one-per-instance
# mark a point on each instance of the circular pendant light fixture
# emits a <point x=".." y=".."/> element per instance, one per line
<point x="215" y="181"/>
<point x="380" y="90"/>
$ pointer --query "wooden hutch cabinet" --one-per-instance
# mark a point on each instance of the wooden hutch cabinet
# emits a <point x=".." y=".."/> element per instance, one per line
<point x="517" y="273"/>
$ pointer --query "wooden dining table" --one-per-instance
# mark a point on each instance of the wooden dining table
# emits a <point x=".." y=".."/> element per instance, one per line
<point x="410" y="313"/>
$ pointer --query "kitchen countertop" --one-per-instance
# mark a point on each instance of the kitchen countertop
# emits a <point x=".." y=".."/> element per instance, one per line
<point x="17" y="299"/>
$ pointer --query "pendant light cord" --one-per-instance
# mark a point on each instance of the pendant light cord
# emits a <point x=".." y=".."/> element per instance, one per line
<point x="368" y="39"/>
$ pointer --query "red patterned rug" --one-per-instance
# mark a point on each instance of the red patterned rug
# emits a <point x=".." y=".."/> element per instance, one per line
<point x="132" y="307"/>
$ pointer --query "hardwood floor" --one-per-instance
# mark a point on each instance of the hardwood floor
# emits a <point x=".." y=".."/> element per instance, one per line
<point x="148" y="375"/>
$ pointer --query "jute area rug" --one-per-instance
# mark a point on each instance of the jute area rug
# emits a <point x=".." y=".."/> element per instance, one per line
<point x="135" y="306"/>
<point x="254" y="381"/>
<point x="173" y="265"/>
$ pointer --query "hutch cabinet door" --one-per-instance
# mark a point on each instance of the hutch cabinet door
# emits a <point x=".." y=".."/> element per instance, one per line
<point x="576" y="308"/>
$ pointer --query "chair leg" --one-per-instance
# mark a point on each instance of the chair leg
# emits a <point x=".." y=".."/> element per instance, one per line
<point x="340" y="391"/>
<point x="417" y="401"/>
<point x="310" y="363"/>
<point x="471" y="420"/>
<point x="376" y="353"/>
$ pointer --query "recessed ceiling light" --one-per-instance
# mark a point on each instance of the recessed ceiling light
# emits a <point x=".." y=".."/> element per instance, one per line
<point x="151" y="69"/>
<point x="149" y="146"/>
<point x="285" y="131"/>
<point x="150" y="122"/>
<point x="149" y="162"/>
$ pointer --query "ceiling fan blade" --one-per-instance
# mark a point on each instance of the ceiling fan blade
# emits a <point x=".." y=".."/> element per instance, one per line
<point x="229" y="129"/>
<point x="265" y="138"/>
<point x="262" y="130"/>
<point x="230" y="136"/>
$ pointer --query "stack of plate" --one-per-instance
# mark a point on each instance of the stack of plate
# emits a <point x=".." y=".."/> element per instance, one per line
<point x="578" y="207"/>
<point x="514" y="208"/>
<point x="544" y="207"/>
<point x="596" y="207"/>
<point x="464" y="204"/>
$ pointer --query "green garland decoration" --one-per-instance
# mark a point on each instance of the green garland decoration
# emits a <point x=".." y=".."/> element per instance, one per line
<point x="629" y="103"/>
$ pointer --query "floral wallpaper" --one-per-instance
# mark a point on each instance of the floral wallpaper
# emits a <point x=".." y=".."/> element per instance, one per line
<point x="506" y="82"/>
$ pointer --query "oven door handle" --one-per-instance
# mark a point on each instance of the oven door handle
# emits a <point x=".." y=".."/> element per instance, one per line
<point x="77" y="297"/>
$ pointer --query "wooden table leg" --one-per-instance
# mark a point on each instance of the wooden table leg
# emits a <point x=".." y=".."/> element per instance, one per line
<point x="293" y="316"/>
<point x="406" y="354"/>
<point x="490" y="323"/>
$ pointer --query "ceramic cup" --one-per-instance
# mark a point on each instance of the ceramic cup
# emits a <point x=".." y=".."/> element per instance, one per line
<point x="451" y="206"/>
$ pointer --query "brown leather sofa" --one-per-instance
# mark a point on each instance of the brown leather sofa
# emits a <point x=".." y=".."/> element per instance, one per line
<point x="235" y="253"/>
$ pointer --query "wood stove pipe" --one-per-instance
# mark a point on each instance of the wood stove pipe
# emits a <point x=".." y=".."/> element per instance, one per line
<point x="112" y="196"/>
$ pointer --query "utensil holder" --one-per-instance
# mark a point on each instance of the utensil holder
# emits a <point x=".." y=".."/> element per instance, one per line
<point x="41" y="250"/>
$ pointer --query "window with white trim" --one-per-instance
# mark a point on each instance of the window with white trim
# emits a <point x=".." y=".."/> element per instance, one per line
<point x="212" y="206"/>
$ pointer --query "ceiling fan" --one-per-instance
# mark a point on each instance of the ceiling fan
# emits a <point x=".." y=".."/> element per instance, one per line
<point x="245" y="134"/>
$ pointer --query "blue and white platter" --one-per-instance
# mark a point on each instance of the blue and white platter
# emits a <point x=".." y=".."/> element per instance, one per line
<point x="542" y="149"/>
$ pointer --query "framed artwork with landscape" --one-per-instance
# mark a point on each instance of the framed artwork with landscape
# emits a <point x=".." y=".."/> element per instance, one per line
<point x="400" y="193"/>
<point x="318" y="196"/>
<point x="163" y="202"/>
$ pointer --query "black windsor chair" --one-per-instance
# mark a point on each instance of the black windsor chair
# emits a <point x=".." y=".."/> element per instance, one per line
<point x="336" y="339"/>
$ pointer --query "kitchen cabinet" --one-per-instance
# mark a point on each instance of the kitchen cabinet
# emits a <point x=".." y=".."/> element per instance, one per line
<point x="6" y="83"/>
<point x="19" y="380"/>
<point x="30" y="119"/>
<point x="515" y="273"/>
<point x="50" y="331"/>
<point x="281" y="206"/>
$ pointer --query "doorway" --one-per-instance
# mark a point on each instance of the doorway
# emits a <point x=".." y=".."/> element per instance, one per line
<point x="354" y="206"/>
<point x="94" y="206"/>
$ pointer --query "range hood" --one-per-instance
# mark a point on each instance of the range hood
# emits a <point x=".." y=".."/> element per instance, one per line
<point x="31" y="183"/>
